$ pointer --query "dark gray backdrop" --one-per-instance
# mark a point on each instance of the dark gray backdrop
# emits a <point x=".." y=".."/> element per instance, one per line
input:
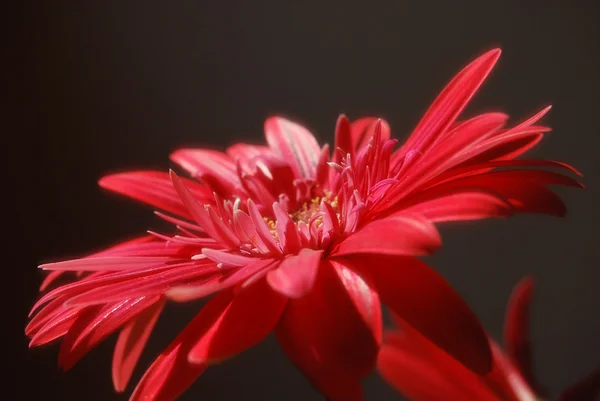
<point x="118" y="85"/>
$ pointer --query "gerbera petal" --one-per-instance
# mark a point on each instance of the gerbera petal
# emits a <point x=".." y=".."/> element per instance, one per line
<point x="95" y="323"/>
<point x="505" y="378"/>
<point x="154" y="188"/>
<point x="401" y="234"/>
<point x="244" y="153"/>
<point x="245" y="321"/>
<point x="333" y="333"/>
<point x="214" y="167"/>
<point x="450" y="102"/>
<point x="171" y="373"/>
<point x="107" y="263"/>
<point x="469" y="205"/>
<point x="586" y="389"/>
<point x="296" y="275"/>
<point x="130" y="344"/>
<point x="423" y="299"/>
<point x="423" y="372"/>
<point x="190" y="291"/>
<point x="363" y="129"/>
<point x="295" y="144"/>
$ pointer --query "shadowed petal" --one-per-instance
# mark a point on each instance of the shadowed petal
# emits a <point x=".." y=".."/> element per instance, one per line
<point x="516" y="330"/>
<point x="333" y="333"/>
<point x="94" y="323"/>
<point x="130" y="345"/>
<point x="423" y="299"/>
<point x="171" y="373"/>
<point x="423" y="372"/>
<point x="247" y="319"/>
<point x="586" y="389"/>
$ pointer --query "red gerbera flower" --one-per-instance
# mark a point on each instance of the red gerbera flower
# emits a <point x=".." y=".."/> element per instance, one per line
<point x="294" y="240"/>
<point x="423" y="372"/>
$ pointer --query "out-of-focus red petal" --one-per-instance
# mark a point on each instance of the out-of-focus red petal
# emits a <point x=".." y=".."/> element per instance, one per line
<point x="130" y="344"/>
<point x="333" y="333"/>
<point x="586" y="389"/>
<point x="401" y="234"/>
<point x="295" y="144"/>
<point x="296" y="275"/>
<point x="423" y="299"/>
<point x="505" y="379"/>
<point x="423" y="372"/>
<point x="154" y="188"/>
<point x="516" y="330"/>
<point x="248" y="318"/>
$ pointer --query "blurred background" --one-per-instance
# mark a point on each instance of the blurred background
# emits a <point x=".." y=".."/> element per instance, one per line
<point x="112" y="85"/>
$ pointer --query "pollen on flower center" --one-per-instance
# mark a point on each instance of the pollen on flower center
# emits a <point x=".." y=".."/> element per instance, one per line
<point x="310" y="209"/>
<point x="309" y="214"/>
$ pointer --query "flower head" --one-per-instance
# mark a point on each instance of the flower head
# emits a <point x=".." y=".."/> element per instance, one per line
<point x="424" y="372"/>
<point x="292" y="239"/>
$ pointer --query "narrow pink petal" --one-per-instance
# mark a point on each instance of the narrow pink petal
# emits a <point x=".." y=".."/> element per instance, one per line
<point x="395" y="235"/>
<point x="286" y="230"/>
<point x="248" y="318"/>
<point x="195" y="209"/>
<point x="295" y="144"/>
<point x="47" y="313"/>
<point x="95" y="323"/>
<point x="49" y="279"/>
<point x="107" y="263"/>
<point x="153" y="188"/>
<point x="296" y="275"/>
<point x="155" y="283"/>
<point x="227" y="258"/>
<point x="188" y="292"/>
<point x="56" y="325"/>
<point x="461" y="206"/>
<point x="130" y="344"/>
<point x="333" y="333"/>
<point x="261" y="228"/>
<point x="420" y="296"/>
<point x="363" y="129"/>
<point x="343" y="140"/>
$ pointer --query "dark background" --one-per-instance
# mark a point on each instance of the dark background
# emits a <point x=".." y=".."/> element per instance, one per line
<point x="117" y="85"/>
